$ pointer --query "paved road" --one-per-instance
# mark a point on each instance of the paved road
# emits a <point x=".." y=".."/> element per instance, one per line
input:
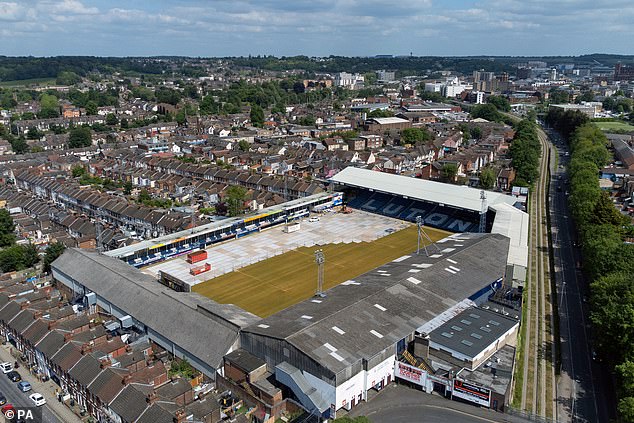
<point x="402" y="404"/>
<point x="583" y="385"/>
<point x="21" y="399"/>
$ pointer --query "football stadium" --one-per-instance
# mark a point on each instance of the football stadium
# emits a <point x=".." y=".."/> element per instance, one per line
<point x="418" y="281"/>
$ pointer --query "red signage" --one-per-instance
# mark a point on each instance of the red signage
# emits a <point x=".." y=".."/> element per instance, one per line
<point x="410" y="373"/>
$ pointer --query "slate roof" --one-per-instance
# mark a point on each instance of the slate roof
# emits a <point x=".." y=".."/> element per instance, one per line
<point x="156" y="414"/>
<point x="131" y="402"/>
<point x="51" y="343"/>
<point x="107" y="384"/>
<point x="86" y="370"/>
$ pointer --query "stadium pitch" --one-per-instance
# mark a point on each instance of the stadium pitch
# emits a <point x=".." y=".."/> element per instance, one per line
<point x="274" y="284"/>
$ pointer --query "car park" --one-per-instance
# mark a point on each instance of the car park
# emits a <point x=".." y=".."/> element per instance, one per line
<point x="6" y="367"/>
<point x="14" y="376"/>
<point x="24" y="386"/>
<point x="37" y="399"/>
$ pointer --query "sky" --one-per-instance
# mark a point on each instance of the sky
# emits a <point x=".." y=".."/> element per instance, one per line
<point x="209" y="28"/>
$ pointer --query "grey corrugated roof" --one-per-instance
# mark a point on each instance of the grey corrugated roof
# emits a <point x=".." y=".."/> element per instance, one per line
<point x="143" y="298"/>
<point x="420" y="189"/>
<point x="472" y="330"/>
<point x="359" y="319"/>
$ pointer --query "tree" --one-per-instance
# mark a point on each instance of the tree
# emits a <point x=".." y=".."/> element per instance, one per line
<point x="244" y="145"/>
<point x="91" y="108"/>
<point x="415" y="136"/>
<point x="7" y="236"/>
<point x="605" y="213"/>
<point x="487" y="178"/>
<point x="67" y="78"/>
<point x="208" y="106"/>
<point x="611" y="313"/>
<point x="53" y="251"/>
<point x="19" y="145"/>
<point x="111" y="119"/>
<point x="49" y="107"/>
<point x="298" y="87"/>
<point x="486" y="111"/>
<point x="626" y="409"/>
<point x="236" y="196"/>
<point x="80" y="137"/>
<point x="501" y="103"/>
<point x="476" y="132"/>
<point x="78" y="171"/>
<point x="449" y="171"/>
<point x="18" y="257"/>
<point x="144" y="196"/>
<point x="257" y="115"/>
<point x="127" y="187"/>
<point x="558" y="96"/>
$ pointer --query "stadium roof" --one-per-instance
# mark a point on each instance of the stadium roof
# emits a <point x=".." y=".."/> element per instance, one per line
<point x="458" y="196"/>
<point x="513" y="223"/>
<point x="360" y="318"/>
<point x="472" y="331"/>
<point x="206" y="337"/>
<point x="208" y="227"/>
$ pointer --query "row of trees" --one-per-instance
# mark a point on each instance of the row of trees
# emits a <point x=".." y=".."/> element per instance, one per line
<point x="607" y="258"/>
<point x="525" y="151"/>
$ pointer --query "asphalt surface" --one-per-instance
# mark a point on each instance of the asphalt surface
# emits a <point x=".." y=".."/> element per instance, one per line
<point x="21" y="399"/>
<point x="402" y="404"/>
<point x="584" y="386"/>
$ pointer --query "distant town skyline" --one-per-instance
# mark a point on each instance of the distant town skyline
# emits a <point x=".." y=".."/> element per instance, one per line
<point x="315" y="27"/>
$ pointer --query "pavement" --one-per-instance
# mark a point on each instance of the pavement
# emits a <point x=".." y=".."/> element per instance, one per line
<point x="584" y="387"/>
<point x="331" y="228"/>
<point x="402" y="404"/>
<point x="53" y="411"/>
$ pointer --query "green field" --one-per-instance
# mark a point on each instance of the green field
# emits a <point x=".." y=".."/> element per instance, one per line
<point x="272" y="285"/>
<point x="28" y="82"/>
<point x="614" y="126"/>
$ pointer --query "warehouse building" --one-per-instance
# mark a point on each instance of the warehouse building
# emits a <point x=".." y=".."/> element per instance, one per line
<point x="187" y="325"/>
<point x="329" y="351"/>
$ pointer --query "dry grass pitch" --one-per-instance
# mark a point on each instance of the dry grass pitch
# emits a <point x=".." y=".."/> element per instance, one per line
<point x="272" y="285"/>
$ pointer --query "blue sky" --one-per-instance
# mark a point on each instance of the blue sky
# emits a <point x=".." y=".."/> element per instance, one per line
<point x="315" y="27"/>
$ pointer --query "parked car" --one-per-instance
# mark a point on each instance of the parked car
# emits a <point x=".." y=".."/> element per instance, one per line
<point x="37" y="399"/>
<point x="14" y="376"/>
<point x="24" y="386"/>
<point x="6" y="367"/>
<point x="3" y="399"/>
<point x="6" y="408"/>
<point x="313" y="219"/>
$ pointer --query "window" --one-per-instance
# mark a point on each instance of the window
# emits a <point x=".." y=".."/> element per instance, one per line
<point x="467" y="343"/>
<point x="494" y="323"/>
<point x="466" y="322"/>
<point x="447" y="334"/>
<point x="475" y="316"/>
<point x="485" y="329"/>
<point x="476" y="336"/>
<point x="456" y="328"/>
